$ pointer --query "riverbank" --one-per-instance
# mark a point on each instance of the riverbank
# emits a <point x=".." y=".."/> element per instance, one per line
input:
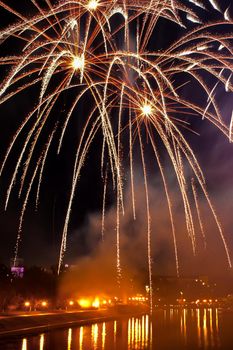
<point x="14" y="325"/>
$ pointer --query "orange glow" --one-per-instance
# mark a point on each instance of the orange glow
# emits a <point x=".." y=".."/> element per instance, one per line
<point x="27" y="303"/>
<point x="96" y="303"/>
<point x="92" y="302"/>
<point x="71" y="303"/>
<point x="85" y="303"/>
<point x="44" y="303"/>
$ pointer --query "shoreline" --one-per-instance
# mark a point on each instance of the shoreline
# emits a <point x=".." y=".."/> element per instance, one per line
<point x="15" y="325"/>
<point x="26" y="324"/>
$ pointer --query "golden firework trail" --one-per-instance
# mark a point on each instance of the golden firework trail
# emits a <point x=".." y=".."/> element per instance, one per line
<point x="133" y="90"/>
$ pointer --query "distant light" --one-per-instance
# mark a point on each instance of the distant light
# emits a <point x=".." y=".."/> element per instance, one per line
<point x="96" y="303"/>
<point x="27" y="303"/>
<point x="93" y="4"/>
<point x="17" y="271"/>
<point x="146" y="109"/>
<point x="71" y="303"/>
<point x="44" y="303"/>
<point x="78" y="62"/>
<point x="84" y="303"/>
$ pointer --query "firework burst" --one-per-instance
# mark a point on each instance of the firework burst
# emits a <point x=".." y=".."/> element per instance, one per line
<point x="133" y="90"/>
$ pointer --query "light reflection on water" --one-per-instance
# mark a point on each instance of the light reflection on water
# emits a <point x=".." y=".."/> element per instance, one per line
<point x="24" y="344"/>
<point x="69" y="340"/>
<point x="167" y="329"/>
<point x="81" y="338"/>
<point x="138" y="332"/>
<point x="42" y="342"/>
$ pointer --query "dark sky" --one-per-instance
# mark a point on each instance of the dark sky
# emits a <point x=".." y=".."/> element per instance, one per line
<point x="42" y="228"/>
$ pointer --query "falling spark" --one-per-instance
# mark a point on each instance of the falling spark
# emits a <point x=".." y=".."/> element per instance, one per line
<point x="104" y="204"/>
<point x="227" y="14"/>
<point x="227" y="85"/>
<point x="197" y="3"/>
<point x="215" y="5"/>
<point x="202" y="48"/>
<point x="198" y="212"/>
<point x="231" y="128"/>
<point x="193" y="19"/>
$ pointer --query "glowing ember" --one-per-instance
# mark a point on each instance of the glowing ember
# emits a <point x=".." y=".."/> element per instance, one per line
<point x="78" y="63"/>
<point x="146" y="110"/>
<point x="93" y="4"/>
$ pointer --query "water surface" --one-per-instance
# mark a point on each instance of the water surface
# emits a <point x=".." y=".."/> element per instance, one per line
<point x="167" y="329"/>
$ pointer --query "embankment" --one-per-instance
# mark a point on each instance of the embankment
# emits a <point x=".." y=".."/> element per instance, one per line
<point x="13" y="325"/>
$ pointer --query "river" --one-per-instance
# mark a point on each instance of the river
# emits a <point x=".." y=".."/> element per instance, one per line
<point x="167" y="329"/>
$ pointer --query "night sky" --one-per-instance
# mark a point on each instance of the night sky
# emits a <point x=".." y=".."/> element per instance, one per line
<point x="42" y="228"/>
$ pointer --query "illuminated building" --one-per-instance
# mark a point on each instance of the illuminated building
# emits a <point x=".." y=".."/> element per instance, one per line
<point x="17" y="268"/>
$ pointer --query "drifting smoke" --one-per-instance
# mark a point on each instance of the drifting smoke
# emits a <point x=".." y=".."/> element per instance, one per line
<point x="96" y="273"/>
